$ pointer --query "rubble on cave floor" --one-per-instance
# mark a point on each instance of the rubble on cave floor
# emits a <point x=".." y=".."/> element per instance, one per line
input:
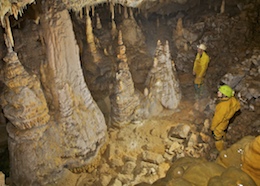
<point x="143" y="152"/>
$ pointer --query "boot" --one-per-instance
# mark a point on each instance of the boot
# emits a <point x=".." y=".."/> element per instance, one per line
<point x="219" y="145"/>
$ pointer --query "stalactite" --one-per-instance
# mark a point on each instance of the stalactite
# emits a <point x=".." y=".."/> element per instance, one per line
<point x="90" y="36"/>
<point x="81" y="13"/>
<point x="8" y="30"/>
<point x="112" y="10"/>
<point x="114" y="31"/>
<point x="139" y="10"/>
<point x="93" y="10"/>
<point x="119" y="9"/>
<point x="15" y="10"/>
<point x="99" y="25"/>
<point x="125" y="12"/>
<point x="131" y="13"/>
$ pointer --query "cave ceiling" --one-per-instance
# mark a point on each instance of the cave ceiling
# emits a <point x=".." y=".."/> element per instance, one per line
<point x="16" y="7"/>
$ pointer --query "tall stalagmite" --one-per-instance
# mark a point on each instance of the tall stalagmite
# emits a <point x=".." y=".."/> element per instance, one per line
<point x="162" y="81"/>
<point x="123" y="98"/>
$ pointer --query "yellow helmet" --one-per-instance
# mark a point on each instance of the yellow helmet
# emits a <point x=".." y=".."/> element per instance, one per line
<point x="202" y="47"/>
<point x="226" y="90"/>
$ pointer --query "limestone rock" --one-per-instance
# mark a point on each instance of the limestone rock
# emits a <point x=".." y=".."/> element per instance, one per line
<point x="232" y="176"/>
<point x="251" y="158"/>
<point x="232" y="155"/>
<point x="244" y="79"/>
<point x="180" y="131"/>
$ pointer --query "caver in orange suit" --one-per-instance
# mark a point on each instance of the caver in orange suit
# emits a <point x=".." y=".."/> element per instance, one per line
<point x="225" y="110"/>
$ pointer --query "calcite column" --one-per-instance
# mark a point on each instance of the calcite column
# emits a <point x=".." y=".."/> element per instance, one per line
<point x="81" y="123"/>
<point x="123" y="98"/>
<point x="162" y="80"/>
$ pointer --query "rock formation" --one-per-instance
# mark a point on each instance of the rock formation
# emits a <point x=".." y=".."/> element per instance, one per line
<point x="123" y="97"/>
<point x="250" y="159"/>
<point x="23" y="101"/>
<point x="74" y="129"/>
<point x="162" y="81"/>
<point x="243" y="77"/>
<point x="91" y="38"/>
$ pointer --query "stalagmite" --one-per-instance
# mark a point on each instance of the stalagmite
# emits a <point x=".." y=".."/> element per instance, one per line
<point x="23" y="101"/>
<point x="99" y="25"/>
<point x="120" y="38"/>
<point x="162" y="80"/>
<point x="222" y="8"/>
<point x="25" y="106"/>
<point x="123" y="98"/>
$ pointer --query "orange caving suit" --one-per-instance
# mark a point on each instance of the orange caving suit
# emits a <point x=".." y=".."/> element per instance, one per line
<point x="225" y="110"/>
<point x="200" y="66"/>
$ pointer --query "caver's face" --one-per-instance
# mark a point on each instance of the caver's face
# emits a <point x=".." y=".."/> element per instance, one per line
<point x="200" y="51"/>
<point x="219" y="94"/>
